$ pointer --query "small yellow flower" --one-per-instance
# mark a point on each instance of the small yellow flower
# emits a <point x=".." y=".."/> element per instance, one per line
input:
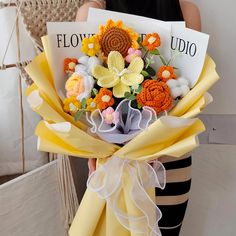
<point x="90" y="46"/>
<point x="71" y="105"/>
<point x="91" y="104"/>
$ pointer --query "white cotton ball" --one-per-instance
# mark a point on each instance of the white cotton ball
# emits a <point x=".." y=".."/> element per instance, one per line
<point x="185" y="90"/>
<point x="172" y="83"/>
<point x="80" y="68"/>
<point x="183" y="81"/>
<point x="176" y="92"/>
<point x="83" y="60"/>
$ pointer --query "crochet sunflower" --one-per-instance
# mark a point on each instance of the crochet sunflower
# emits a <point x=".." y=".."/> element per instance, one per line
<point x="118" y="77"/>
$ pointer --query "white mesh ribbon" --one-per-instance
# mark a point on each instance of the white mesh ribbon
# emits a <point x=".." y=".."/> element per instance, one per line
<point x="133" y="179"/>
<point x="131" y="122"/>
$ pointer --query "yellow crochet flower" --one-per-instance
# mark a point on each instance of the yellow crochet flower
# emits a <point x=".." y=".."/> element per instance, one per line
<point x="71" y="105"/>
<point x="115" y="36"/>
<point x="118" y="77"/>
<point x="91" y="104"/>
<point x="90" y="46"/>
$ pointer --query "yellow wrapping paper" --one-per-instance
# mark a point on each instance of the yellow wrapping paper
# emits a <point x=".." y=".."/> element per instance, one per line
<point x="173" y="135"/>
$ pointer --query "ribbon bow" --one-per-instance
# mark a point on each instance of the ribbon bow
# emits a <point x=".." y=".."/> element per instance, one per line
<point x="134" y="179"/>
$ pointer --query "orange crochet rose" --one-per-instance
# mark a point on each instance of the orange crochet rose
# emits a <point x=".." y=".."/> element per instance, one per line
<point x="104" y="98"/>
<point x="152" y="41"/>
<point x="165" y="73"/>
<point x="155" y="95"/>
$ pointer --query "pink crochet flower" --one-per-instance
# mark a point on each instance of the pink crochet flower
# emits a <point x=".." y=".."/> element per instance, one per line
<point x="132" y="53"/>
<point x="110" y="116"/>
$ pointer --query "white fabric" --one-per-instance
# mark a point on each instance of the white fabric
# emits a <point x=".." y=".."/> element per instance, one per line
<point x="31" y="204"/>
<point x="10" y="130"/>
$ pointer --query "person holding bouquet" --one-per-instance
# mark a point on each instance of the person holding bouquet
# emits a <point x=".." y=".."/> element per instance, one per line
<point x="172" y="201"/>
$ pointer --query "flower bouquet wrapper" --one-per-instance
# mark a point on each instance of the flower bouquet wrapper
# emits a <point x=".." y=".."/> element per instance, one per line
<point x="120" y="196"/>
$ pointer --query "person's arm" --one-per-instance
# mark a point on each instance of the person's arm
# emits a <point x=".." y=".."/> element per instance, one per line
<point x="83" y="10"/>
<point x="191" y="15"/>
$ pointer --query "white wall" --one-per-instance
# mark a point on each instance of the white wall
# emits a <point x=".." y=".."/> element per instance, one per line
<point x="218" y="20"/>
<point x="212" y="205"/>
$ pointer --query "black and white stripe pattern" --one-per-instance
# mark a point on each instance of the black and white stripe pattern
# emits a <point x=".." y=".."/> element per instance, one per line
<point x="173" y="200"/>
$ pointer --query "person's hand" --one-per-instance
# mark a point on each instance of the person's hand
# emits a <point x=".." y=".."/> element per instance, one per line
<point x="83" y="10"/>
<point x="92" y="165"/>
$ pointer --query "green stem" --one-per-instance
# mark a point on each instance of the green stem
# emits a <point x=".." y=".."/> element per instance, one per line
<point x="145" y="55"/>
<point x="163" y="60"/>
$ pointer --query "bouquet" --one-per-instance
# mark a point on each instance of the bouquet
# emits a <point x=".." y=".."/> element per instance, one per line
<point x="127" y="105"/>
